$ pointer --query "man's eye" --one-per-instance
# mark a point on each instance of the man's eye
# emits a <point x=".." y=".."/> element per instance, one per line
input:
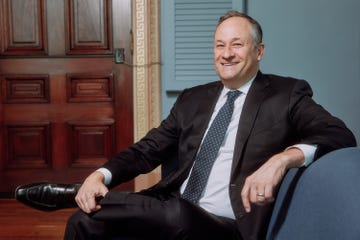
<point x="237" y="44"/>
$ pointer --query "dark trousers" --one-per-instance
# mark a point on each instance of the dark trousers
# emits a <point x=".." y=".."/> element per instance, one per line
<point x="126" y="216"/>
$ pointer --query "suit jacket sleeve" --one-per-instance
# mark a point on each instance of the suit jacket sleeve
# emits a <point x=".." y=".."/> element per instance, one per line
<point x="279" y="112"/>
<point x="148" y="153"/>
<point x="178" y="136"/>
<point x="315" y="125"/>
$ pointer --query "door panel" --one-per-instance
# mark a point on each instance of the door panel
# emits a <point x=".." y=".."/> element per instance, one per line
<point x="88" y="27"/>
<point x="23" y="27"/>
<point x="66" y="106"/>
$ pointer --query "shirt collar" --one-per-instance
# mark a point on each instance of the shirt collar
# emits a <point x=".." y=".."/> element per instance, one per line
<point x="244" y="89"/>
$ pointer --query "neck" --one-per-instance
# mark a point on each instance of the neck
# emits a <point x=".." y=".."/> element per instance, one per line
<point x="237" y="83"/>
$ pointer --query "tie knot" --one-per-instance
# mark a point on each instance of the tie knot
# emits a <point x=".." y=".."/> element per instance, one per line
<point x="232" y="95"/>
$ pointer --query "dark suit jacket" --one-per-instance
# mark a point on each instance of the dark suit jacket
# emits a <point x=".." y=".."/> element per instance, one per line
<point x="278" y="112"/>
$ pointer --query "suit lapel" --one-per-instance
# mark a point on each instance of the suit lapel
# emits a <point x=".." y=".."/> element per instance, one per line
<point x="257" y="92"/>
<point x="204" y="110"/>
<point x="203" y="114"/>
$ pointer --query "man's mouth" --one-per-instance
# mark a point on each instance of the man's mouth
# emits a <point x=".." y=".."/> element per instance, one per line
<point x="228" y="64"/>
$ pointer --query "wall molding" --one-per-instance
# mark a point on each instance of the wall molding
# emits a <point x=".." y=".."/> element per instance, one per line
<point x="146" y="75"/>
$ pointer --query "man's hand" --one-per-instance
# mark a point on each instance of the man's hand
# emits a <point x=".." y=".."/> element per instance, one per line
<point x="259" y="187"/>
<point x="92" y="188"/>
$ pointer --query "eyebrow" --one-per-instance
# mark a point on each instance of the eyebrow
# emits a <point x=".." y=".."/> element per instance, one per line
<point x="232" y="40"/>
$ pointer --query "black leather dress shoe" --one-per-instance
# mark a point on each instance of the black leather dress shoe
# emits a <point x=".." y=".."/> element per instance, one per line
<point x="47" y="196"/>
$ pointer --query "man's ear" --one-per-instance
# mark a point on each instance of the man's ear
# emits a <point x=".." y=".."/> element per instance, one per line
<point x="261" y="50"/>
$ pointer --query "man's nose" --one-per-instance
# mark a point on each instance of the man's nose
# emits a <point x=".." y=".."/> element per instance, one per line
<point x="228" y="52"/>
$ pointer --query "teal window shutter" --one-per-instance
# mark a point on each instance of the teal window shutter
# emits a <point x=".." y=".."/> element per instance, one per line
<point x="194" y="28"/>
<point x="187" y="28"/>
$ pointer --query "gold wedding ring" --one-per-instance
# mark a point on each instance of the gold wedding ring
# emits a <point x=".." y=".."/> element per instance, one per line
<point x="260" y="195"/>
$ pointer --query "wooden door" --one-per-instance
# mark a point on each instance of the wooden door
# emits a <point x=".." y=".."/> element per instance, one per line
<point x="66" y="101"/>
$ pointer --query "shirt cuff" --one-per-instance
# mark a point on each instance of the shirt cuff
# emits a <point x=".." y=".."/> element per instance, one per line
<point x="107" y="175"/>
<point x="308" y="151"/>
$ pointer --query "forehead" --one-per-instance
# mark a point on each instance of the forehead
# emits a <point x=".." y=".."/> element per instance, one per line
<point x="234" y="27"/>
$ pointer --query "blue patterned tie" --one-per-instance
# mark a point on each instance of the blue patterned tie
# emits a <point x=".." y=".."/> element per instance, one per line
<point x="209" y="150"/>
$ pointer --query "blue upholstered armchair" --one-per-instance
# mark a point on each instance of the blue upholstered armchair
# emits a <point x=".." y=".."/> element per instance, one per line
<point x="321" y="201"/>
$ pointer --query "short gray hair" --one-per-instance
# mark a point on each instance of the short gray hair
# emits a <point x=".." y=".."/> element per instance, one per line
<point x="257" y="32"/>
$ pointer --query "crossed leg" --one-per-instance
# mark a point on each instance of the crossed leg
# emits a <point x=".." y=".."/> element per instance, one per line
<point x="126" y="216"/>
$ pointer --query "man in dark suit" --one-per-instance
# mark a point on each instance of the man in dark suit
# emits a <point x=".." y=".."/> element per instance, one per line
<point x="275" y="125"/>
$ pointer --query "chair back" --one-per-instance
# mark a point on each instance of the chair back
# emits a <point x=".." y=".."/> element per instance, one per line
<point x="321" y="201"/>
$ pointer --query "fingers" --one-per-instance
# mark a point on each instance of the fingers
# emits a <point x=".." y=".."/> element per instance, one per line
<point x="255" y="192"/>
<point x="260" y="197"/>
<point x="86" y="198"/>
<point x="259" y="187"/>
<point x="264" y="196"/>
<point x="269" y="194"/>
<point x="86" y="201"/>
<point x="83" y="199"/>
<point x="245" y="196"/>
<point x="92" y="188"/>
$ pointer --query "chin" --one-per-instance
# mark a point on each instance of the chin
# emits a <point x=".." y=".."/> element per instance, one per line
<point x="229" y="82"/>
<point x="228" y="77"/>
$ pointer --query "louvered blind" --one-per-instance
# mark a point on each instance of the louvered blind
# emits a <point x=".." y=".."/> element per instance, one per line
<point x="194" y="26"/>
<point x="187" y="28"/>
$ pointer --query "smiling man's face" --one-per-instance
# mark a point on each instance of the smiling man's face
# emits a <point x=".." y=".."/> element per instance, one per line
<point x="236" y="57"/>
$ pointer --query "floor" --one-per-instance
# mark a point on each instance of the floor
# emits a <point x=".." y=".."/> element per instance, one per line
<point x="18" y="221"/>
